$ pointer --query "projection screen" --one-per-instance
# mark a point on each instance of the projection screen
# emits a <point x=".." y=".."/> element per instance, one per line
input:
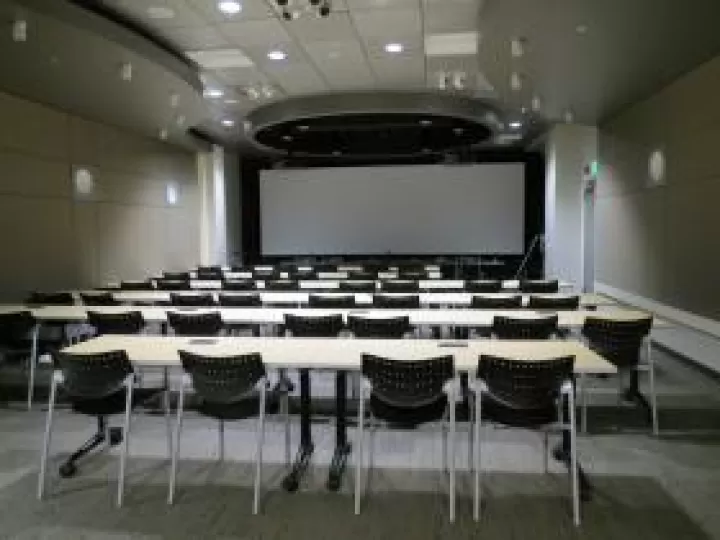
<point x="423" y="209"/>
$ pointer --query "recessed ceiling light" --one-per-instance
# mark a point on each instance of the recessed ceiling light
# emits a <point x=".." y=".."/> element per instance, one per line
<point x="160" y="12"/>
<point x="277" y="55"/>
<point x="303" y="127"/>
<point x="515" y="124"/>
<point x="581" y="29"/>
<point x="425" y="122"/>
<point x="213" y="93"/>
<point x="228" y="123"/>
<point x="230" y="7"/>
<point x="231" y="101"/>
<point x="287" y="138"/>
<point x="163" y="134"/>
<point x="458" y="131"/>
<point x="517" y="47"/>
<point x="334" y="55"/>
<point x="515" y="81"/>
<point x="452" y="44"/>
<point x="220" y="58"/>
<point x="394" y="48"/>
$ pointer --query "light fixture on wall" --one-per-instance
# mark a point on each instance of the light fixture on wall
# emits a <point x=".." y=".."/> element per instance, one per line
<point x="536" y="104"/>
<point x="83" y="181"/>
<point x="19" y="31"/>
<point x="126" y="71"/>
<point x="163" y="134"/>
<point x="656" y="168"/>
<point x="171" y="193"/>
<point x="515" y="81"/>
<point x="517" y="47"/>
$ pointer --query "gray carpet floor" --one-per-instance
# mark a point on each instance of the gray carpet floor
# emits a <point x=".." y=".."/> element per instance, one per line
<point x="645" y="487"/>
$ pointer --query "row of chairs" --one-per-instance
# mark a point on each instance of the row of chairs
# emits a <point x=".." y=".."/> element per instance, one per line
<point x="365" y="285"/>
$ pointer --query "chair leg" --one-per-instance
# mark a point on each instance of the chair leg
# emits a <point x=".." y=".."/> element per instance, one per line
<point x="126" y="441"/>
<point x="574" y="460"/>
<point x="653" y="396"/>
<point x="444" y="436"/>
<point x="359" y="450"/>
<point x="221" y="440"/>
<point x="452" y="458"/>
<point x="168" y="420"/>
<point x="471" y="434"/>
<point x="583" y="407"/>
<point x="46" y="440"/>
<point x="546" y="445"/>
<point x="32" y="365"/>
<point x="259" y="449"/>
<point x="176" y="445"/>
<point x="477" y="500"/>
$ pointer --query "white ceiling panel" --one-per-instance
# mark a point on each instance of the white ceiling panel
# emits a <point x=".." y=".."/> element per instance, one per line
<point x="265" y="33"/>
<point x="258" y="54"/>
<point x="239" y="76"/>
<point x="382" y="4"/>
<point x="448" y="17"/>
<point x="251" y="10"/>
<point x="297" y="79"/>
<point x="159" y="14"/>
<point x="342" y="63"/>
<point x="197" y="38"/>
<point x="387" y="24"/>
<point x="406" y="72"/>
<point x="336" y="27"/>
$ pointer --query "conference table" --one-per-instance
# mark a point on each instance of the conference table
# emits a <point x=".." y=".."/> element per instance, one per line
<point x="342" y="356"/>
<point x="300" y="298"/>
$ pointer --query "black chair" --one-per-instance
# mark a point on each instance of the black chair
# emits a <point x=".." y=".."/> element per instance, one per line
<point x="496" y="302"/>
<point x="173" y="284"/>
<point x="362" y="275"/>
<point x="99" y="299"/>
<point x="16" y="331"/>
<point x="179" y="276"/>
<point x="413" y="274"/>
<point x="556" y="303"/>
<point x="620" y="342"/>
<point x="226" y="388"/>
<point x="357" y="286"/>
<point x="525" y="394"/>
<point x="402" y="301"/>
<point x="407" y="394"/>
<point x="398" y="285"/>
<point x="483" y="286"/>
<point x="133" y="285"/>
<point x="195" y="324"/>
<point x="266" y="274"/>
<point x="522" y="328"/>
<point x="209" y="273"/>
<point x="379" y="328"/>
<point x="281" y="285"/>
<point x="305" y="273"/>
<point x="192" y="299"/>
<point x="343" y="301"/>
<point x="314" y="325"/>
<point x="238" y="284"/>
<point x="98" y="385"/>
<point x="129" y="322"/>
<point x="50" y="299"/>
<point x="539" y="286"/>
<point x="240" y="300"/>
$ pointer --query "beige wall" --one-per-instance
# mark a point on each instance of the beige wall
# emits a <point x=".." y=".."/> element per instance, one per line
<point x="663" y="243"/>
<point x="52" y="238"/>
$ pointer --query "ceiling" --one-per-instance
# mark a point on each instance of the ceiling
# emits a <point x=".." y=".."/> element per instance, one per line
<point x="582" y="60"/>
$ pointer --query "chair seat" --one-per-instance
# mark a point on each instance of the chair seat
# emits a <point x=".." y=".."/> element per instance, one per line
<point x="247" y="407"/>
<point x="113" y="404"/>
<point x="401" y="416"/>
<point x="495" y="409"/>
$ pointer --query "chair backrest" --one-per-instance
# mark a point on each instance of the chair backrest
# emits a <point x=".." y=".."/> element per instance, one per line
<point x="240" y="300"/>
<point x="209" y="272"/>
<point x="380" y="328"/>
<point x="265" y="273"/>
<point x="304" y="273"/>
<point x="180" y="276"/>
<point x="144" y="285"/>
<point x="50" y="299"/>
<point x="539" y="286"/>
<point x="525" y="384"/>
<point x="173" y="284"/>
<point x="99" y="299"/>
<point x="483" y="285"/>
<point x="413" y="274"/>
<point x="192" y="299"/>
<point x="496" y="302"/>
<point x="557" y="303"/>
<point x="357" y="286"/>
<point x="281" y="285"/>
<point x="238" y="284"/>
<point x="399" y="285"/>
<point x="15" y="328"/>
<point x="208" y="323"/>
<point x="407" y="383"/>
<point x="617" y="341"/>
<point x="362" y="275"/>
<point x="314" y="325"/>
<point x="343" y="301"/>
<point x="404" y="301"/>
<point x="93" y="376"/>
<point x="521" y="328"/>
<point x="223" y="379"/>
<point x="129" y="322"/>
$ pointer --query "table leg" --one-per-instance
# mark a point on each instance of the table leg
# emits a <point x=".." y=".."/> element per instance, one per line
<point x="305" y="450"/>
<point x="342" y="447"/>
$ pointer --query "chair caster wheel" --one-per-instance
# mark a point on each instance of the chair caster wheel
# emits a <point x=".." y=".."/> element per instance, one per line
<point x="68" y="470"/>
<point x="116" y="436"/>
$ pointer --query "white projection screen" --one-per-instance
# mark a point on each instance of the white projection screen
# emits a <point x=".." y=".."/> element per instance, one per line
<point x="423" y="209"/>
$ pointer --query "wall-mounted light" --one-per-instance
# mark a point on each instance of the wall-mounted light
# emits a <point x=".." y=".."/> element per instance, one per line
<point x="174" y="100"/>
<point x="19" y="31"/>
<point x="171" y="193"/>
<point x="656" y="168"/>
<point x="517" y="47"/>
<point x="163" y="134"/>
<point x="83" y="181"/>
<point x="515" y="81"/>
<point x="126" y="72"/>
<point x="536" y="104"/>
